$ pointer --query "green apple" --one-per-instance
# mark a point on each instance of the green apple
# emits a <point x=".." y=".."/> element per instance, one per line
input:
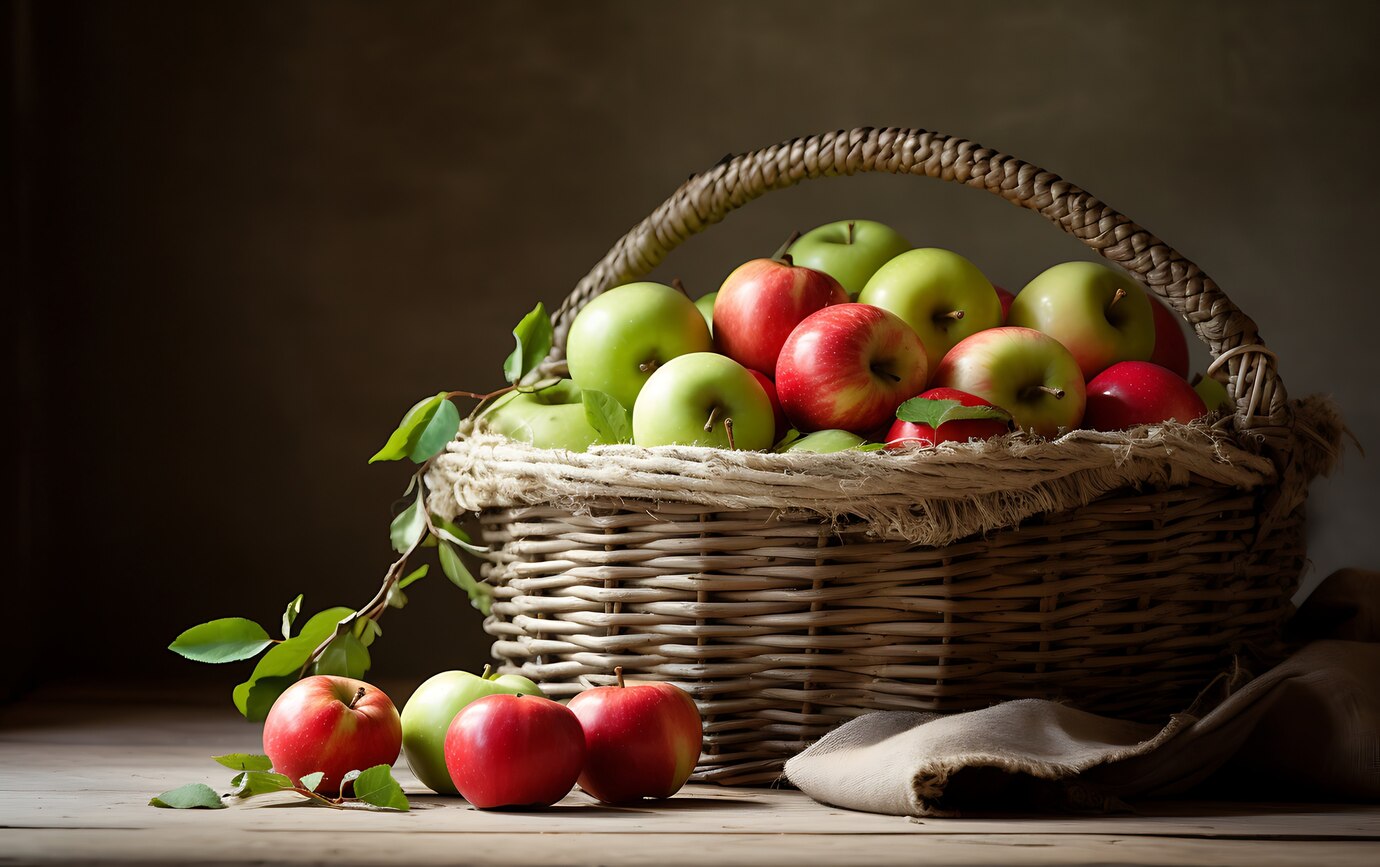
<point x="1214" y="395"/>
<point x="939" y="294"/>
<point x="623" y="335"/>
<point x="704" y="399"/>
<point x="706" y="305"/>
<point x="1099" y="314"/>
<point x="850" y="251"/>
<point x="552" y="418"/>
<point x="428" y="713"/>
<point x="825" y="441"/>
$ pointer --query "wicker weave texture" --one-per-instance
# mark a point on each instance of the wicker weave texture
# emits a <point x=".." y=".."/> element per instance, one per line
<point x="781" y="629"/>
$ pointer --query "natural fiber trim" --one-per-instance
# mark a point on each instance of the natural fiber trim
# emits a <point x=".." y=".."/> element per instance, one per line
<point x="924" y="496"/>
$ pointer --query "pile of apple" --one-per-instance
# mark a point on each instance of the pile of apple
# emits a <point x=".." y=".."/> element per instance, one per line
<point x="852" y="336"/>
<point x="494" y="740"/>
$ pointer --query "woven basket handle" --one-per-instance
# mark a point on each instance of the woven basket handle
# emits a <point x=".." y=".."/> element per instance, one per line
<point x="1261" y="403"/>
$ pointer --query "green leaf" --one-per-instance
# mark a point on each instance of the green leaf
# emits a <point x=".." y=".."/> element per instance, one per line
<point x="346" y="656"/>
<point x="456" y="536"/>
<point x="311" y="781"/>
<point x="413" y="577"/>
<point x="367" y="630"/>
<point x="290" y="615"/>
<point x="279" y="668"/>
<point x="438" y="431"/>
<point x="408" y="526"/>
<point x="481" y="595"/>
<point x="869" y="447"/>
<point x="923" y="410"/>
<point x="533" y="336"/>
<point x="376" y="786"/>
<point x="251" y="783"/>
<point x="607" y="416"/>
<point x="403" y="441"/>
<point x="190" y="796"/>
<point x="225" y="640"/>
<point x="245" y="762"/>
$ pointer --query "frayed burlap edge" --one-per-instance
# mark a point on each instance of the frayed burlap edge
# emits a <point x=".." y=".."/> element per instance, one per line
<point x="923" y="496"/>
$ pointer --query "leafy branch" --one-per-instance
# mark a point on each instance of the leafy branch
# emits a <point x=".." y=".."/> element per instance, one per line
<point x="337" y="640"/>
<point x="373" y="787"/>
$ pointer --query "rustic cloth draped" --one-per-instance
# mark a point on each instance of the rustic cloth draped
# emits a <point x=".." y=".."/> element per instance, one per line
<point x="1307" y="728"/>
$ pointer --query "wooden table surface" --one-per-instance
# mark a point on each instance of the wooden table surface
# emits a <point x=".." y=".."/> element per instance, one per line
<point x="78" y="765"/>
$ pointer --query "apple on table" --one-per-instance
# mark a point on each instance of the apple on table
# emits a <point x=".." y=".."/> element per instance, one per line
<point x="850" y="251"/>
<point x="514" y="751"/>
<point x="848" y="367"/>
<point x="941" y="295"/>
<point x="1098" y="314"/>
<point x="1025" y="372"/>
<point x="622" y="336"/>
<point x="333" y="725"/>
<point x="429" y="711"/>
<point x="704" y="399"/>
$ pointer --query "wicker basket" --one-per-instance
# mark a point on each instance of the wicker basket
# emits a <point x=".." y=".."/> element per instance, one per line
<point x="788" y="593"/>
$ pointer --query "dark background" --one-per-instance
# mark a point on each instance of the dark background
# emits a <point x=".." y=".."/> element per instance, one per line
<point x="243" y="238"/>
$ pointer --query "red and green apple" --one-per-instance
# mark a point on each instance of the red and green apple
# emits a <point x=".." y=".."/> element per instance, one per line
<point x="704" y="399"/>
<point x="333" y="725"/>
<point x="1025" y="372"/>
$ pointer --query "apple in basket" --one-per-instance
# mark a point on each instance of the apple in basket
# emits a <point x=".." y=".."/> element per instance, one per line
<point x="1099" y="314"/>
<point x="514" y="751"/>
<point x="939" y="294"/>
<point x="1132" y="393"/>
<point x="848" y="367"/>
<point x="428" y="714"/>
<point x="1025" y="372"/>
<point x="1171" y="347"/>
<point x="850" y="251"/>
<point x="762" y="302"/>
<point x="641" y="740"/>
<point x="943" y="415"/>
<point x="552" y="418"/>
<point x="333" y="725"/>
<point x="1005" y="297"/>
<point x="825" y="442"/>
<point x="778" y="415"/>
<point x="703" y="399"/>
<point x="622" y="336"/>
<point x="705" y="304"/>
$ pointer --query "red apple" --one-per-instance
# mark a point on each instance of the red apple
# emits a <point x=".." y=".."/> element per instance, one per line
<point x="641" y="740"/>
<point x="1005" y="298"/>
<point x="770" y="388"/>
<point x="1171" y="347"/>
<point x="849" y="366"/>
<point x="1133" y="393"/>
<point x="904" y="433"/>
<point x="761" y="302"/>
<point x="514" y="751"/>
<point x="1025" y="372"/>
<point x="333" y="725"/>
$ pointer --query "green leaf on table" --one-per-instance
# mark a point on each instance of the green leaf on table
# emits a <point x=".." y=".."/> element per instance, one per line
<point x="245" y="762"/>
<point x="280" y="667"/>
<point x="923" y="410"/>
<point x="421" y="422"/>
<point x="294" y="608"/>
<point x="439" y="431"/>
<point x="533" y="336"/>
<point x="188" y="797"/>
<point x="225" y="640"/>
<point x="377" y="787"/>
<point x="481" y="595"/>
<point x="408" y="526"/>
<point x="251" y="783"/>
<point x="346" y="656"/>
<point x="607" y="416"/>
<point x="311" y="781"/>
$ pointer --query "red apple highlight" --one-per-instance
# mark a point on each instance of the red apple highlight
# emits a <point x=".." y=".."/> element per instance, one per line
<point x="761" y="302"/>
<point x="1133" y="393"/>
<point x="514" y="751"/>
<point x="849" y="366"/>
<point x="641" y="740"/>
<point x="333" y="725"/>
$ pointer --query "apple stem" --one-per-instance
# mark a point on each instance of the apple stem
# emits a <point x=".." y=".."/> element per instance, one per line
<point x="618" y="673"/>
<point x="787" y="260"/>
<point x="1117" y="296"/>
<point x="713" y="417"/>
<point x="952" y="314"/>
<point x="679" y="286"/>
<point x="886" y="373"/>
<point x="648" y="366"/>
<point x="728" y="430"/>
<point x="485" y="674"/>
<point x="850" y="232"/>
<point x="781" y="251"/>
<point x="1056" y="393"/>
<point x="354" y="701"/>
